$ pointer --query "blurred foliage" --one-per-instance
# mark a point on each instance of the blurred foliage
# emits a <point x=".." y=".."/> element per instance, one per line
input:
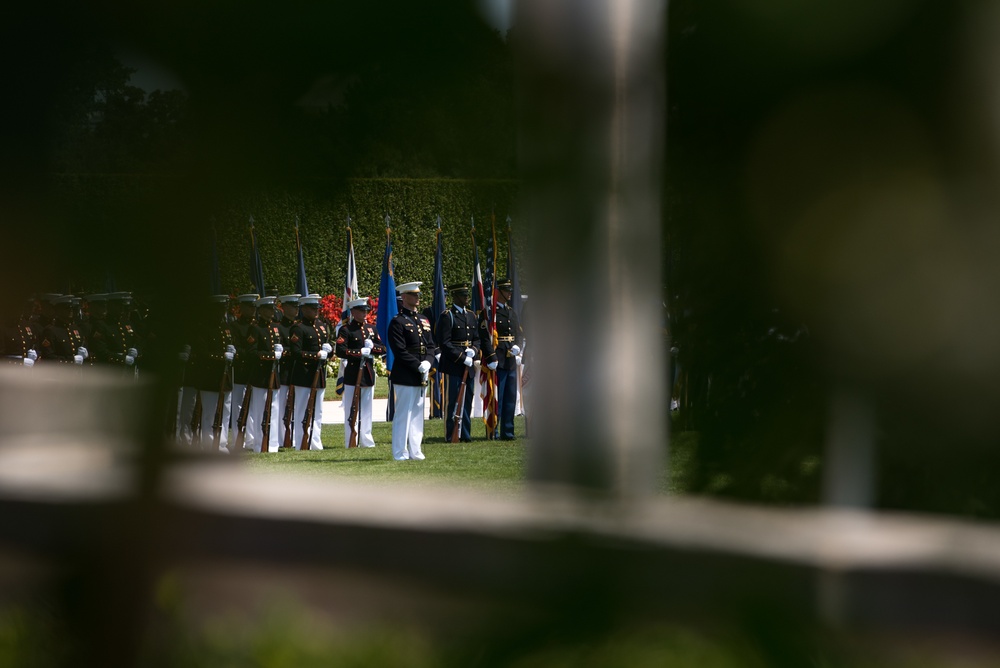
<point x="285" y="634"/>
<point x="101" y="123"/>
<point x="805" y="251"/>
<point x="425" y="115"/>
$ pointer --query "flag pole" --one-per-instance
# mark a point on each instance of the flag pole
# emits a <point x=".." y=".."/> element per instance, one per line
<point x="390" y="408"/>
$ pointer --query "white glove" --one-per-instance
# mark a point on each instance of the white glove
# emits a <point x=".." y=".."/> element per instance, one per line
<point x="129" y="360"/>
<point x="184" y="356"/>
<point x="230" y="349"/>
<point x="82" y="352"/>
<point x="469" y="352"/>
<point x="229" y="356"/>
<point x="77" y="359"/>
<point x="492" y="365"/>
<point x="322" y="355"/>
<point x="424" y="367"/>
<point x="132" y="352"/>
<point x="32" y="355"/>
<point x="366" y="351"/>
<point x="518" y="360"/>
<point x="29" y="361"/>
<point x="369" y="343"/>
<point x="467" y="361"/>
<point x="515" y="350"/>
<point x="327" y="348"/>
<point x="278" y="350"/>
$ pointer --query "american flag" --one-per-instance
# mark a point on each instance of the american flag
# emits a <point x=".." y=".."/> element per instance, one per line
<point x="350" y="293"/>
<point x="488" y="378"/>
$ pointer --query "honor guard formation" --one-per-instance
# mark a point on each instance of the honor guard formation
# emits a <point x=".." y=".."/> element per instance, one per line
<point x="255" y="377"/>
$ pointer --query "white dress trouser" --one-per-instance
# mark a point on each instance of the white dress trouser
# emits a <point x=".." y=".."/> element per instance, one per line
<point x="365" y="439"/>
<point x="301" y="402"/>
<point x="255" y="420"/>
<point x="408" y="422"/>
<point x="209" y="404"/>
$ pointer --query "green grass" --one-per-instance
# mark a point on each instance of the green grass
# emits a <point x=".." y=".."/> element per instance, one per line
<point x="488" y="465"/>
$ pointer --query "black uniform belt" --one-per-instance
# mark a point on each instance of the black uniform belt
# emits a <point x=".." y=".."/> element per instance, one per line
<point x="462" y="343"/>
<point x="421" y="349"/>
<point x="505" y="339"/>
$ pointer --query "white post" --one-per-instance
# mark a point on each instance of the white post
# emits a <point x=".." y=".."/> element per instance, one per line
<point x="591" y="97"/>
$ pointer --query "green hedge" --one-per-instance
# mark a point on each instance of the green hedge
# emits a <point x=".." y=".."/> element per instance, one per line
<point x="129" y="226"/>
<point x="322" y="208"/>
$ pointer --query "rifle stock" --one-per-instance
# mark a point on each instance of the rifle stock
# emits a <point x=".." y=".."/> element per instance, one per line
<point x="459" y="407"/>
<point x="241" y="421"/>
<point x="288" y="418"/>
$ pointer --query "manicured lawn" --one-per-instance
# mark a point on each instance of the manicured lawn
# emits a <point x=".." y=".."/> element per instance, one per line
<point x="489" y="465"/>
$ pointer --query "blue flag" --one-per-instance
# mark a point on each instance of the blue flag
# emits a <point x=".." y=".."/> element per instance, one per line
<point x="515" y="284"/>
<point x="301" y="285"/>
<point x="386" y="296"/>
<point x="256" y="267"/>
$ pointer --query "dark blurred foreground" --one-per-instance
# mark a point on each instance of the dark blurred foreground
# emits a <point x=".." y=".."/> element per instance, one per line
<point x="227" y="566"/>
<point x="830" y="234"/>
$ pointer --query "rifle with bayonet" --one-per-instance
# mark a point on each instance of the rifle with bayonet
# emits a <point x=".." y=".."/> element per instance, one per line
<point x="241" y="421"/>
<point x="354" y="419"/>
<point x="459" y="407"/>
<point x="289" y="418"/>
<point x="265" y="423"/>
<point x="307" y="419"/>
<point x="221" y="404"/>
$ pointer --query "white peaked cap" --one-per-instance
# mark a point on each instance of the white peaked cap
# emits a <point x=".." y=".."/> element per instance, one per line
<point x="409" y="287"/>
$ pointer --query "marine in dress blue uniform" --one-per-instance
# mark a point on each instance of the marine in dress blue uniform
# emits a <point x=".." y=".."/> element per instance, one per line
<point x="359" y="344"/>
<point x="18" y="339"/>
<point x="309" y="347"/>
<point x="265" y="349"/>
<point x="412" y="344"/>
<point x="62" y="340"/>
<point x="243" y="364"/>
<point x="288" y="306"/>
<point x="113" y="341"/>
<point x="212" y="356"/>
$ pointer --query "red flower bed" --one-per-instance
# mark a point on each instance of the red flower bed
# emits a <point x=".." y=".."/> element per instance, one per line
<point x="331" y="307"/>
